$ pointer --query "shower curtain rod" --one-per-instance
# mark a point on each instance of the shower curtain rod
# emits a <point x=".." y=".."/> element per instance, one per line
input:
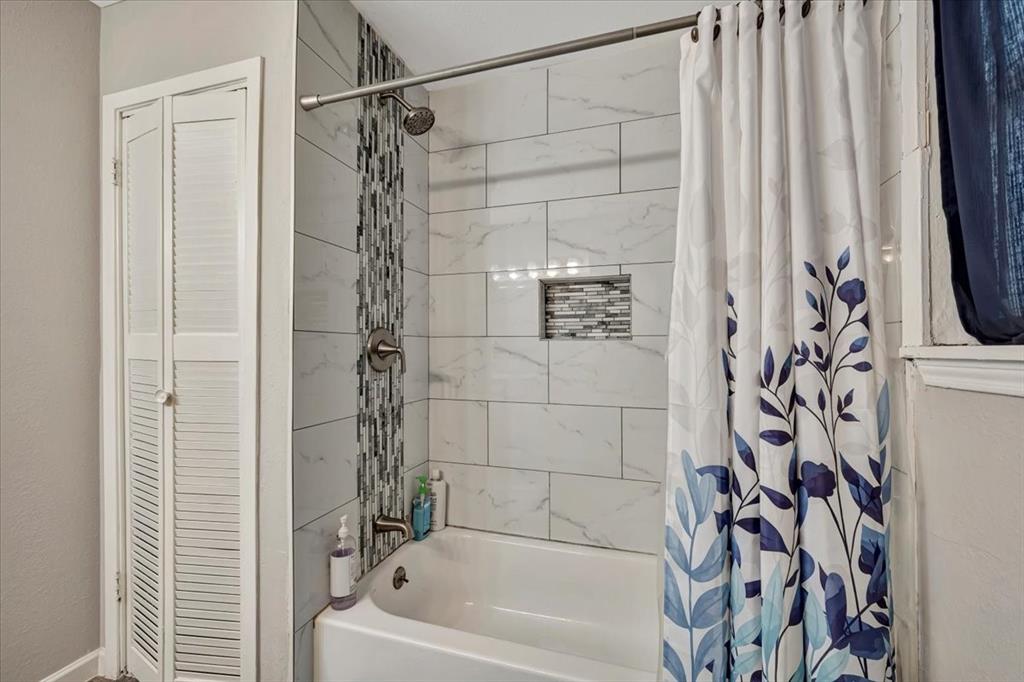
<point x="621" y="36"/>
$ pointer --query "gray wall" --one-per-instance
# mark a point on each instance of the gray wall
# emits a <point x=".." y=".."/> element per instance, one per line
<point x="325" y="446"/>
<point x="143" y="42"/>
<point x="49" y="336"/>
<point x="971" y="541"/>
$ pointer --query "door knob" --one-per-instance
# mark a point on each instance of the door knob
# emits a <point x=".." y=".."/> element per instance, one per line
<point x="163" y="397"/>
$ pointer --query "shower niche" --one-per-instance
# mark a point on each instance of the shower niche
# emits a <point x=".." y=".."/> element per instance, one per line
<point x="586" y="308"/>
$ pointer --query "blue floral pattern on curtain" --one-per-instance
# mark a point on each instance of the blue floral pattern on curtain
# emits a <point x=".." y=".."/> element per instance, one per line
<point x="779" y="486"/>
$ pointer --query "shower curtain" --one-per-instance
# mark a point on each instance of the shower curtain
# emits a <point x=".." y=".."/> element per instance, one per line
<point x="778" y="480"/>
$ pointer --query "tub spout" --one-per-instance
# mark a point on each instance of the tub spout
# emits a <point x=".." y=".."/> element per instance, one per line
<point x="387" y="524"/>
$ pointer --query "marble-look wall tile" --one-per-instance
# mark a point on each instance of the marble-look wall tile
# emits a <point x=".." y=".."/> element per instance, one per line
<point x="489" y="369"/>
<point x="415" y="433"/>
<point x="331" y="29"/>
<point x="458" y="305"/>
<point x="303" y="652"/>
<point x="502" y="107"/>
<point x="415" y="226"/>
<point x="501" y="500"/>
<point x="326" y="193"/>
<point x="323" y="469"/>
<point x="620" y="373"/>
<point x="415" y="293"/>
<point x="565" y="438"/>
<point x="607" y="512"/>
<point x="650" y="153"/>
<point x="325" y="286"/>
<point x="644" y="444"/>
<point x="890" y="227"/>
<point x="490" y="239"/>
<point x="560" y="166"/>
<point x="513" y="298"/>
<point x="651" y="286"/>
<point x="416" y="374"/>
<point x="333" y="129"/>
<point x="324" y="382"/>
<point x="312" y="545"/>
<point x="458" y="431"/>
<point x="625" y="228"/>
<point x="619" y="86"/>
<point x="414" y="178"/>
<point x="458" y="179"/>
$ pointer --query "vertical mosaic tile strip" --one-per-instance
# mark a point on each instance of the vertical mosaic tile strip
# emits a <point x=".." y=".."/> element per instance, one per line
<point x="587" y="308"/>
<point x="379" y="240"/>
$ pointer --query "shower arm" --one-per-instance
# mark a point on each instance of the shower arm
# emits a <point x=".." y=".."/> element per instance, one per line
<point x="309" y="102"/>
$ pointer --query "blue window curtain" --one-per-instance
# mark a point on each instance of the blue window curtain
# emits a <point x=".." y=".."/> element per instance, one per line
<point x="980" y="78"/>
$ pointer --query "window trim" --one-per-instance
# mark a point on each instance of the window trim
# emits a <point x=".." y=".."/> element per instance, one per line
<point x="988" y="369"/>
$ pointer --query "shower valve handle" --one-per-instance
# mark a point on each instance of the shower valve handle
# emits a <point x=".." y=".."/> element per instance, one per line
<point x="382" y="349"/>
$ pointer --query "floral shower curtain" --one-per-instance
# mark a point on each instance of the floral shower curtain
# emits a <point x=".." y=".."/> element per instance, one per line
<point x="778" y="483"/>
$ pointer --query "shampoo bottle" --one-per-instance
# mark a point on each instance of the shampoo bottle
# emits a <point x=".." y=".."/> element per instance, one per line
<point x="421" y="511"/>
<point x="438" y="500"/>
<point x="344" y="569"/>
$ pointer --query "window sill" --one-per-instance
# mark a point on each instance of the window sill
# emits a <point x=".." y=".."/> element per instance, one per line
<point x="983" y="369"/>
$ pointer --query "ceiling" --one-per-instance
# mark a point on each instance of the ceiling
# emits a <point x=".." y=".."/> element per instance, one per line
<point x="435" y="34"/>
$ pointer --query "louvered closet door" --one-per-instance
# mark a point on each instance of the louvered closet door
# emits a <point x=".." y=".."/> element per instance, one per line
<point x="142" y="216"/>
<point x="213" y="430"/>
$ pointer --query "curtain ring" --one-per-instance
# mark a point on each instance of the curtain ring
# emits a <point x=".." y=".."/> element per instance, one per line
<point x="718" y="29"/>
<point x="694" y="34"/>
<point x="782" y="13"/>
<point x="805" y="9"/>
<point x="841" y="3"/>
<point x="760" y="20"/>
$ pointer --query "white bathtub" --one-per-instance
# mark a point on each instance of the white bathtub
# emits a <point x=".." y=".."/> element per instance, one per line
<point x="480" y="606"/>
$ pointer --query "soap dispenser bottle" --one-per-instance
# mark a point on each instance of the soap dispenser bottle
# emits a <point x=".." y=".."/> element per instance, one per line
<point x="344" y="569"/>
<point x="421" y="511"/>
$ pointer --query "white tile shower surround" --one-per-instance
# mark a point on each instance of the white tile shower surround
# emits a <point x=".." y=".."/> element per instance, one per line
<point x="325" y="191"/>
<point x="333" y="129"/>
<point x="556" y="439"/>
<point x="325" y="384"/>
<point x="325" y="291"/>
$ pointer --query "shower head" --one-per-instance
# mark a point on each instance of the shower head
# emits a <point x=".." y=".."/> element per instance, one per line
<point x="417" y="120"/>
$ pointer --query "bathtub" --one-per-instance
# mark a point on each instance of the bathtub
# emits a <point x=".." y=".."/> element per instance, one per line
<point x="481" y="606"/>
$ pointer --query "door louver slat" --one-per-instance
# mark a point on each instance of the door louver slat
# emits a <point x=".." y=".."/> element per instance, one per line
<point x="144" y="503"/>
<point x="207" y="560"/>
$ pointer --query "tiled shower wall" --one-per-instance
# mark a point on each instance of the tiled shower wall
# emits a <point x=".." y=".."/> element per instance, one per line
<point x="564" y="171"/>
<point x="327" y="353"/>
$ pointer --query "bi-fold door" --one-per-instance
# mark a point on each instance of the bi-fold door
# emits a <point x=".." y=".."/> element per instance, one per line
<point x="189" y="409"/>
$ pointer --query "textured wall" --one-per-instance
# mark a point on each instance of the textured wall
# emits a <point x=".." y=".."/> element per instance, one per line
<point x="49" y="336"/>
<point x="970" y="480"/>
<point x="143" y="42"/>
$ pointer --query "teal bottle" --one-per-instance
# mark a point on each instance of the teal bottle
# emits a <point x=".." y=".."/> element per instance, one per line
<point x="421" y="511"/>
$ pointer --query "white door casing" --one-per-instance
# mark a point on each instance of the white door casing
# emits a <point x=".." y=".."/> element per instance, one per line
<point x="180" y="247"/>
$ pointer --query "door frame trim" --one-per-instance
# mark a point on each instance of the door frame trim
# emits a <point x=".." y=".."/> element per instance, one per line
<point x="247" y="73"/>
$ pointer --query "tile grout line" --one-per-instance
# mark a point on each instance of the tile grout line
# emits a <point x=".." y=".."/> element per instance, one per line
<point x="572" y="198"/>
<point x="524" y="402"/>
<point x="560" y="267"/>
<point x="482" y="143"/>
<point x="549" y="472"/>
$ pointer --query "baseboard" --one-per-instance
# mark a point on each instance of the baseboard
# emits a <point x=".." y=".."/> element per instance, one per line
<point x="82" y="670"/>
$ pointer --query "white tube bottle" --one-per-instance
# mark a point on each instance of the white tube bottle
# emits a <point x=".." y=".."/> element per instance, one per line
<point x="438" y="501"/>
<point x="344" y="569"/>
